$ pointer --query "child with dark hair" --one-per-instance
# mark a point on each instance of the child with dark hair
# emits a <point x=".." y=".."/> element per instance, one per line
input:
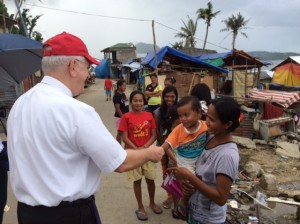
<point x="202" y="91"/>
<point x="186" y="142"/>
<point x="121" y="105"/>
<point x="166" y="120"/>
<point x="216" y="168"/>
<point x="138" y="129"/>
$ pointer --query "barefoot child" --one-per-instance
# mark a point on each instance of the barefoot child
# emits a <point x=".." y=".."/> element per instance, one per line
<point x="139" y="131"/>
<point x="187" y="142"/>
<point x="217" y="167"/>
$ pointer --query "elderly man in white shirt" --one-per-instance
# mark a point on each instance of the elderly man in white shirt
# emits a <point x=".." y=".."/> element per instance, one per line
<point x="3" y="179"/>
<point x="59" y="145"/>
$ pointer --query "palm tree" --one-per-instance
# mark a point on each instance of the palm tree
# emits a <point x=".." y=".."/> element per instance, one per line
<point x="188" y="32"/>
<point x="235" y="24"/>
<point x="30" y="24"/>
<point x="178" y="45"/>
<point x="207" y="14"/>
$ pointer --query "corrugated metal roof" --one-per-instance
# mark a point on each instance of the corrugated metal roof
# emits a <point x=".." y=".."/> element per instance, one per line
<point x="296" y="59"/>
<point x="213" y="56"/>
<point x="120" y="45"/>
<point x="288" y="60"/>
<point x="242" y="58"/>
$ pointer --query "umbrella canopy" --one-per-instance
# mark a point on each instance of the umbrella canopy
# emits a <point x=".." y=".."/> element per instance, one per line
<point x="19" y="57"/>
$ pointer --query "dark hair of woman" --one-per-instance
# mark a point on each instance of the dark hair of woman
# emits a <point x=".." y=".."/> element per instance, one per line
<point x="202" y="91"/>
<point x="228" y="110"/>
<point x="120" y="82"/>
<point x="168" y="115"/>
<point x="135" y="92"/>
<point x="171" y="79"/>
<point x="190" y="99"/>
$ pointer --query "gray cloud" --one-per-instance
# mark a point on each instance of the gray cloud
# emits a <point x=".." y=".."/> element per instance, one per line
<point x="273" y="25"/>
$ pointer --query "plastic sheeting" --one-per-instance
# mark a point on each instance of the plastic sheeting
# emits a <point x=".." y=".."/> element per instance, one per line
<point x="288" y="75"/>
<point x="150" y="60"/>
<point x="102" y="70"/>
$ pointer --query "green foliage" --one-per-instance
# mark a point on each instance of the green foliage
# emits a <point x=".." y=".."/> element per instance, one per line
<point x="178" y="45"/>
<point x="207" y="14"/>
<point x="234" y="25"/>
<point x="188" y="32"/>
<point x="3" y="9"/>
<point x="30" y="23"/>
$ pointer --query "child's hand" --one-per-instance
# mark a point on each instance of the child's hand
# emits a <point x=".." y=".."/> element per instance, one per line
<point x="187" y="188"/>
<point x="179" y="172"/>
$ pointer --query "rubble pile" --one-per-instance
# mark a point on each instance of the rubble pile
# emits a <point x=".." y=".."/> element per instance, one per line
<point x="267" y="189"/>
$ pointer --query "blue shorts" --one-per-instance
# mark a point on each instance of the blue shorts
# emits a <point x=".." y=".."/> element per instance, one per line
<point x="108" y="92"/>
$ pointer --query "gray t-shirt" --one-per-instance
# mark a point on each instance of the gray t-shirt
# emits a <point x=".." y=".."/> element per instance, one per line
<point x="222" y="159"/>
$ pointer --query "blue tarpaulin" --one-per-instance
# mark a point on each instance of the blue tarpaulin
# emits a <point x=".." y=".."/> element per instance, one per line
<point x="161" y="53"/>
<point x="102" y="70"/>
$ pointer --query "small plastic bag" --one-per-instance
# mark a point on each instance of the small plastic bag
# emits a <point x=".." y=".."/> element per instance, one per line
<point x="171" y="185"/>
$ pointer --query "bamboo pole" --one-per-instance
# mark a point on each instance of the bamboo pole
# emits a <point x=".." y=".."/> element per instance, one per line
<point x="154" y="46"/>
<point x="192" y="82"/>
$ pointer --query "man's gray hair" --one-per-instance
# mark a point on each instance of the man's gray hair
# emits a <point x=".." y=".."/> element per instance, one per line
<point x="55" y="63"/>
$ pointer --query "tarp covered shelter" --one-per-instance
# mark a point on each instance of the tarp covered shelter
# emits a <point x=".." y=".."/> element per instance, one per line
<point x="244" y="71"/>
<point x="178" y="58"/>
<point x="288" y="72"/>
<point x="186" y="69"/>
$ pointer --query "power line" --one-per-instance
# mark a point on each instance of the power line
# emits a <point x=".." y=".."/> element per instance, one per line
<point x="121" y="18"/>
<point x="195" y="37"/>
<point x="90" y="14"/>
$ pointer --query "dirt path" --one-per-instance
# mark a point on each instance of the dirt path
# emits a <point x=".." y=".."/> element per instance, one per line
<point x="115" y="200"/>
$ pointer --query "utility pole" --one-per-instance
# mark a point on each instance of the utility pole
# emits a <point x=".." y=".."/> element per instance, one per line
<point x="154" y="45"/>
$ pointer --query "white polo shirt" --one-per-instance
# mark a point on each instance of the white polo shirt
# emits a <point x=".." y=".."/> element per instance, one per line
<point x="58" y="146"/>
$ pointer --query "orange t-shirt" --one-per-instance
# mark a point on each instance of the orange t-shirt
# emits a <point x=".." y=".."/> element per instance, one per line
<point x="188" y="145"/>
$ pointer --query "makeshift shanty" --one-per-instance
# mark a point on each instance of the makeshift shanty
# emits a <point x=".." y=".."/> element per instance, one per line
<point x="118" y="54"/>
<point x="186" y="69"/>
<point x="130" y="70"/>
<point x="287" y="72"/>
<point x="244" y="71"/>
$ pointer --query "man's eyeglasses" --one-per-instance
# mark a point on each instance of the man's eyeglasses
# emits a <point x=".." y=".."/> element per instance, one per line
<point x="86" y="63"/>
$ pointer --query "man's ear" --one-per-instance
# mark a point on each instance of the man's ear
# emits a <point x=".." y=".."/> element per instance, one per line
<point x="72" y="68"/>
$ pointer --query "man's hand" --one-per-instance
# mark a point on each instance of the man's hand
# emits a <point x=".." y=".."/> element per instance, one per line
<point x="155" y="153"/>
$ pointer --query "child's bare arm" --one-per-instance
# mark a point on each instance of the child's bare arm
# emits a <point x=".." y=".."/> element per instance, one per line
<point x="168" y="151"/>
<point x="127" y="141"/>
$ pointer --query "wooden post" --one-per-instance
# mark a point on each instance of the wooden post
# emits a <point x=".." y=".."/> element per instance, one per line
<point x="192" y="82"/>
<point x="154" y="46"/>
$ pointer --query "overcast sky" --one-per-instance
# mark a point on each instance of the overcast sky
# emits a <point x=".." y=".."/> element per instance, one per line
<point x="273" y="25"/>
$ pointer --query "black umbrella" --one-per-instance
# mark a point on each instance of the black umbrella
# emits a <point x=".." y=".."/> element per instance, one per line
<point x="19" y="57"/>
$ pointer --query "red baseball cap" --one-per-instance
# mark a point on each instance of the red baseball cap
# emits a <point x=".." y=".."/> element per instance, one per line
<point x="67" y="44"/>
